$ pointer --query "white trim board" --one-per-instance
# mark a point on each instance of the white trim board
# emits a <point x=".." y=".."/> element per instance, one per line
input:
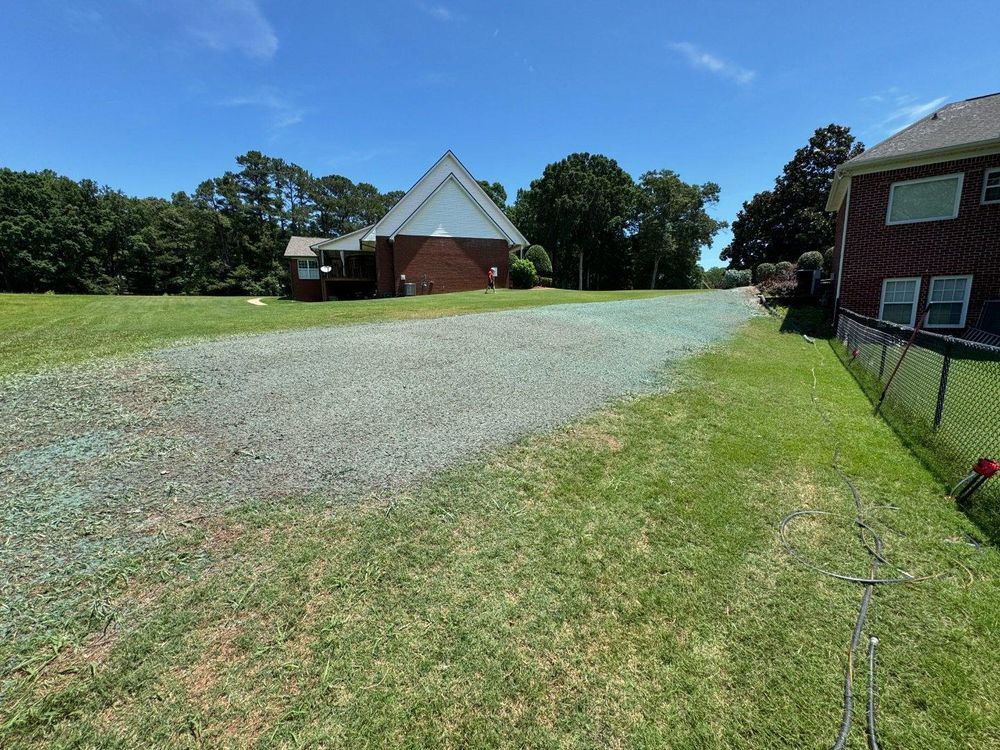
<point x="891" y="163"/>
<point x="843" y="245"/>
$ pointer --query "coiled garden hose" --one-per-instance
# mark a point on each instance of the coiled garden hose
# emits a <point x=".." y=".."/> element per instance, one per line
<point x="875" y="550"/>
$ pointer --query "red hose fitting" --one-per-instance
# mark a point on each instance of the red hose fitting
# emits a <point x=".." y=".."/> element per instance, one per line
<point x="986" y="467"/>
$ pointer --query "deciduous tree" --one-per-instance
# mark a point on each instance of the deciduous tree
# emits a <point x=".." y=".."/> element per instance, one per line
<point x="673" y="227"/>
<point x="582" y="209"/>
<point x="790" y="219"/>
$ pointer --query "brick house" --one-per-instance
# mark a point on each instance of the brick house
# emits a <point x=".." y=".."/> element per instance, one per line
<point x="442" y="236"/>
<point x="918" y="222"/>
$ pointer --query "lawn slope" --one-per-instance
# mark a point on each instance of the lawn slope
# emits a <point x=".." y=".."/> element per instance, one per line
<point x="41" y="330"/>
<point x="618" y="583"/>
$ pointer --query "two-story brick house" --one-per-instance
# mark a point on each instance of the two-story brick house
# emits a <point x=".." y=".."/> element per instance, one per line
<point x="918" y="222"/>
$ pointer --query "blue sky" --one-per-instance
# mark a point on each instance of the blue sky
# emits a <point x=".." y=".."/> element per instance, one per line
<point x="153" y="97"/>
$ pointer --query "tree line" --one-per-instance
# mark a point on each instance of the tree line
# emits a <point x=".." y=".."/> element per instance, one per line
<point x="227" y="237"/>
<point x="601" y="228"/>
<point x="604" y="230"/>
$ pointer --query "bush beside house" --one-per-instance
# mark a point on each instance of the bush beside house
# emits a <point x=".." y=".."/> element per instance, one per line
<point x="540" y="259"/>
<point x="781" y="284"/>
<point x="811" y="261"/>
<point x="523" y="274"/>
<point x="764" y="272"/>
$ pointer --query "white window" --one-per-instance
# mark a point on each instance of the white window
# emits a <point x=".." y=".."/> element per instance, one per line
<point x="949" y="301"/>
<point x="308" y="269"/>
<point x="991" y="186"/>
<point x="899" y="301"/>
<point x="924" y="200"/>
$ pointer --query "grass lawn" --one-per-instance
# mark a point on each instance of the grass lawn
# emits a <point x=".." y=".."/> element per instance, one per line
<point x="41" y="330"/>
<point x="619" y="583"/>
<point x="970" y="425"/>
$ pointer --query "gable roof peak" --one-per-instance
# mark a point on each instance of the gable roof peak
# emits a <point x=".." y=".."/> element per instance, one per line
<point x="448" y="165"/>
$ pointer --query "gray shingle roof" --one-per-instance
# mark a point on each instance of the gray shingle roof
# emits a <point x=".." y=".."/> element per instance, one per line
<point x="298" y="247"/>
<point x="954" y="125"/>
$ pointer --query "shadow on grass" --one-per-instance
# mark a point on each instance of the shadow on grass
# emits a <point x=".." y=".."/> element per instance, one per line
<point x="914" y="430"/>
<point x="806" y="320"/>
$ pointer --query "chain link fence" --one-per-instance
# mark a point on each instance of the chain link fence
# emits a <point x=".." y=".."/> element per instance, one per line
<point x="944" y="398"/>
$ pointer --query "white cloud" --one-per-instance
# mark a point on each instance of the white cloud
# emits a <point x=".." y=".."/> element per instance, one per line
<point x="225" y="25"/>
<point x="699" y="58"/>
<point x="281" y="110"/>
<point x="439" y="12"/>
<point x="907" y="109"/>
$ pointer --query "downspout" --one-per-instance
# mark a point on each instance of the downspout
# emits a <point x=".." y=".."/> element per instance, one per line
<point x="843" y="251"/>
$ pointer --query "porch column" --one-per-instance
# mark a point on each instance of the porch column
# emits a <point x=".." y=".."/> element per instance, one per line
<point x="322" y="276"/>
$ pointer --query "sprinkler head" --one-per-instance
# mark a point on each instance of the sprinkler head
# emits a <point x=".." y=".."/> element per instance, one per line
<point x="986" y="467"/>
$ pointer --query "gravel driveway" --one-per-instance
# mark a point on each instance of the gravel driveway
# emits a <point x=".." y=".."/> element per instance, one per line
<point x="94" y="460"/>
<point x="374" y="406"/>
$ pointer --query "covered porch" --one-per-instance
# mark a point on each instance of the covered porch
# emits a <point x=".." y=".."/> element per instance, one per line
<point x="346" y="267"/>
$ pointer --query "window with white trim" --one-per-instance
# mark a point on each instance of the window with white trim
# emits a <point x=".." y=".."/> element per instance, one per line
<point x="929" y="199"/>
<point x="991" y="186"/>
<point x="308" y="269"/>
<point x="899" y="301"/>
<point x="948" y="299"/>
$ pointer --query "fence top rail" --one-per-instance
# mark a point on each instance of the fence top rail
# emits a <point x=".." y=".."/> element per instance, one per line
<point x="951" y="345"/>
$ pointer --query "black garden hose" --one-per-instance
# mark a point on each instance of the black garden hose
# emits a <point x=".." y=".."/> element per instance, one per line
<point x="875" y="551"/>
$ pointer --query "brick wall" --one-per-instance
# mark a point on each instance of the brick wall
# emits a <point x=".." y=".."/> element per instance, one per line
<point x="385" y="270"/>
<point x="452" y="264"/>
<point x="306" y="290"/>
<point x="967" y="244"/>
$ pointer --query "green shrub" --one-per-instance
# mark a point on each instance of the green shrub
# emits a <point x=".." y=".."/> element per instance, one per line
<point x="713" y="277"/>
<point x="811" y="261"/>
<point x="522" y="274"/>
<point x="764" y="272"/>
<point x="537" y="255"/>
<point x="511" y="257"/>
<point x="733" y="278"/>
<point x="544" y="281"/>
<point x="783" y="267"/>
<point x="780" y="284"/>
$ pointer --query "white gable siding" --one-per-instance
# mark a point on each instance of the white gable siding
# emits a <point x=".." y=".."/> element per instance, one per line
<point x="447" y="165"/>
<point x="451" y="212"/>
<point x="350" y="241"/>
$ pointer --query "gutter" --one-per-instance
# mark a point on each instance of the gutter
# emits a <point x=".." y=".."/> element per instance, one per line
<point x="886" y="163"/>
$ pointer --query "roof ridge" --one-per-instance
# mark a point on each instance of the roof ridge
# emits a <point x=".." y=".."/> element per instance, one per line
<point x="981" y="96"/>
